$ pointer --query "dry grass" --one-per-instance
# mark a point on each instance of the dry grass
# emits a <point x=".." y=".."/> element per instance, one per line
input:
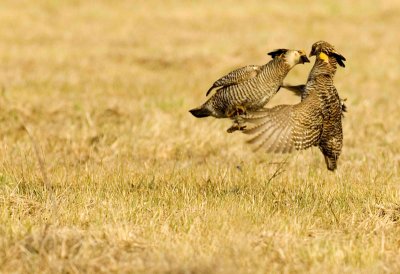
<point x="102" y="168"/>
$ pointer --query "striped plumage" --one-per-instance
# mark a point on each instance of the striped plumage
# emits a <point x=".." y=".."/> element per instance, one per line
<point x="300" y="90"/>
<point x="334" y="59"/>
<point x="251" y="87"/>
<point x="315" y="121"/>
<point x="237" y="76"/>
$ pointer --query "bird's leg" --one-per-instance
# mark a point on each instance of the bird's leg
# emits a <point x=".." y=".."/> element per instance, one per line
<point x="236" y="126"/>
<point x="240" y="110"/>
<point x="236" y="111"/>
<point x="237" y="119"/>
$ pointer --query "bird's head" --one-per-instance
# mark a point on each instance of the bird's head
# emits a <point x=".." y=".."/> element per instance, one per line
<point x="329" y="50"/>
<point x="291" y="56"/>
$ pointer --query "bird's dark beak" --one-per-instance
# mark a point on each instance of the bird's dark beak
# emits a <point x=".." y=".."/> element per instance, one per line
<point x="304" y="59"/>
<point x="312" y="53"/>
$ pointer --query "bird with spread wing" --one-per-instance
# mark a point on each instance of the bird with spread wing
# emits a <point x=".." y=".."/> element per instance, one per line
<point x="315" y="121"/>
<point x="249" y="88"/>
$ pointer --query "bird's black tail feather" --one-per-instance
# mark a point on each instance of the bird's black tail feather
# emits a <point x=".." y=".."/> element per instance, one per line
<point x="200" y="112"/>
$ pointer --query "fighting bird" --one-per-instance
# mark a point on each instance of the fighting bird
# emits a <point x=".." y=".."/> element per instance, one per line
<point x="315" y="121"/>
<point x="249" y="88"/>
<point x="334" y="59"/>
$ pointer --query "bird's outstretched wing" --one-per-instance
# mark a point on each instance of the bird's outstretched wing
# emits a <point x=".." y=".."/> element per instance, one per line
<point x="285" y="128"/>
<point x="237" y="76"/>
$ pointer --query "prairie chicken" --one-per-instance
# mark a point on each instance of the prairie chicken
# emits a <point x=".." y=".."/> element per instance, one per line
<point x="315" y="121"/>
<point x="249" y="88"/>
<point x="334" y="59"/>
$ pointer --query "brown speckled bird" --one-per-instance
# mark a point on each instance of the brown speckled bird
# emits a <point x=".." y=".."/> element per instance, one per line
<point x="315" y="121"/>
<point x="334" y="59"/>
<point x="249" y="88"/>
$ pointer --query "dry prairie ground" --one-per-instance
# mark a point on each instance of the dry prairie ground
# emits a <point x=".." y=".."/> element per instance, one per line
<point x="103" y="169"/>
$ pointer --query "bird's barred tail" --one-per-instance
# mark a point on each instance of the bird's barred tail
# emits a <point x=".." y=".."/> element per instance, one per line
<point x="200" y="112"/>
<point x="330" y="162"/>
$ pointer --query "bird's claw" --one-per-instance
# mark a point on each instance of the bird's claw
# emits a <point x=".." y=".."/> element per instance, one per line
<point x="235" y="127"/>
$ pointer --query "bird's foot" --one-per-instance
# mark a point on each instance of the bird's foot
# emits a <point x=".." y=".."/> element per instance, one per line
<point x="343" y="105"/>
<point x="235" y="127"/>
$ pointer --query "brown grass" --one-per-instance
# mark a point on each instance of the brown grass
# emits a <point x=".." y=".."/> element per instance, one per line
<point x="103" y="169"/>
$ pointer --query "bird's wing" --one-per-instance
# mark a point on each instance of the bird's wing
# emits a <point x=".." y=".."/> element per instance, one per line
<point x="237" y="76"/>
<point x="298" y="89"/>
<point x="283" y="128"/>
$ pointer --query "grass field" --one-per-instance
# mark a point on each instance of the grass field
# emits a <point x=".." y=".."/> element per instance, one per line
<point x="103" y="169"/>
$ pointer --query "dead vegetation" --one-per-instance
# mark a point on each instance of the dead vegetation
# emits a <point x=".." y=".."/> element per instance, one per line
<point x="103" y="169"/>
